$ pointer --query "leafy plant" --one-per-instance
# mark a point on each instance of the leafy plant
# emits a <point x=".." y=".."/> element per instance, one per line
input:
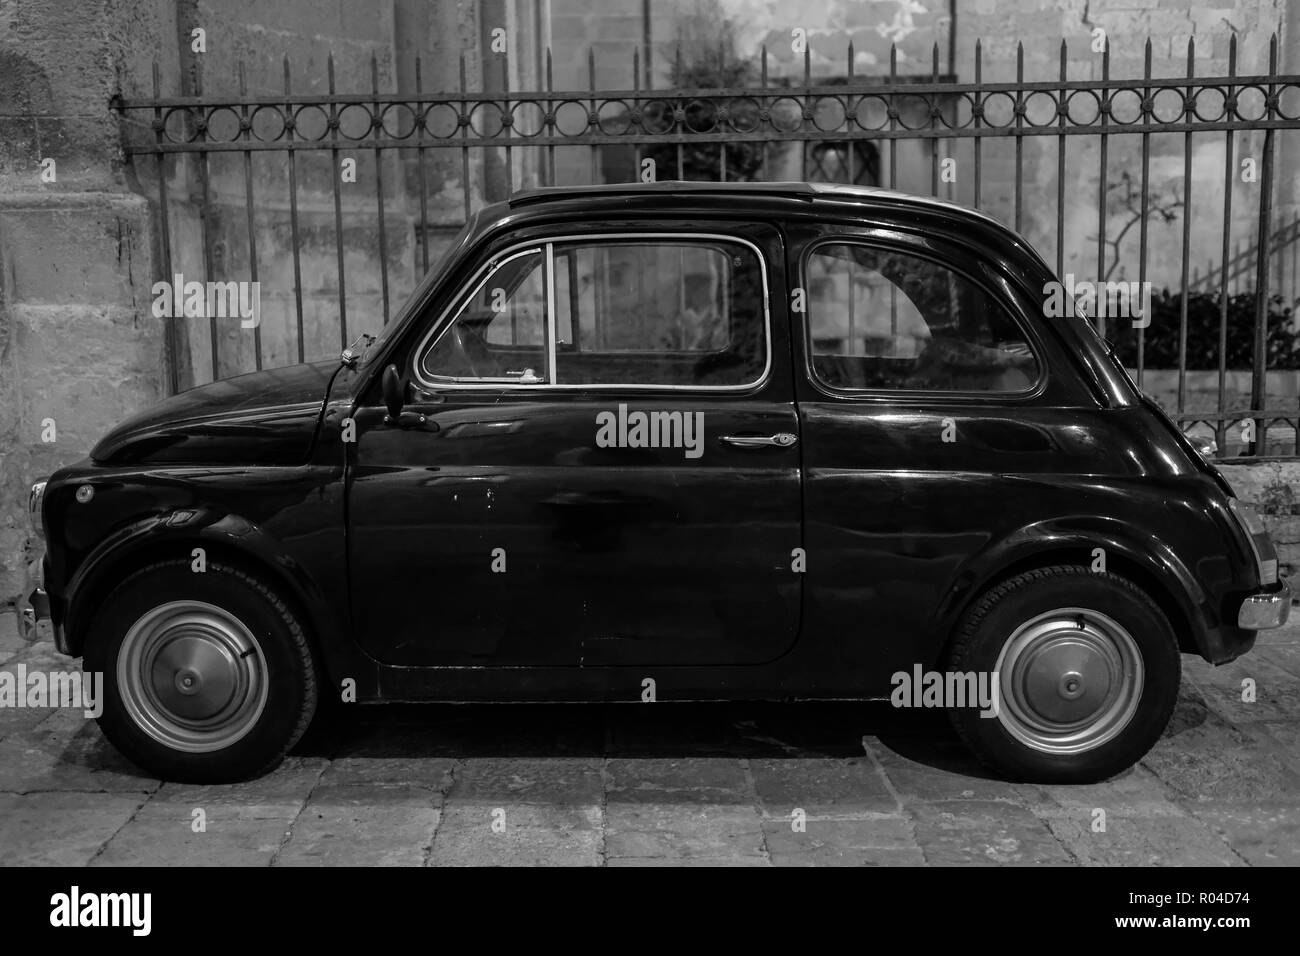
<point x="1282" y="344"/>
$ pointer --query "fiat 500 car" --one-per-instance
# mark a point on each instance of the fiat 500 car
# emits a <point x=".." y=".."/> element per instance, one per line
<point x="668" y="442"/>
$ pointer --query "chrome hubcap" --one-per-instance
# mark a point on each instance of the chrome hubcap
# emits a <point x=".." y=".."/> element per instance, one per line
<point x="192" y="677"/>
<point x="1070" y="681"/>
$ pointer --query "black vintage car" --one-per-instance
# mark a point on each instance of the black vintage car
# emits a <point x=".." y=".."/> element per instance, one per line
<point x="678" y="441"/>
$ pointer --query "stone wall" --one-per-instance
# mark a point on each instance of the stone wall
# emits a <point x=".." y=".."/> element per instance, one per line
<point x="79" y="349"/>
<point x="1273" y="489"/>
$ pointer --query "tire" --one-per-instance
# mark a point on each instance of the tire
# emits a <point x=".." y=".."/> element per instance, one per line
<point x="207" y="677"/>
<point x="1088" y="672"/>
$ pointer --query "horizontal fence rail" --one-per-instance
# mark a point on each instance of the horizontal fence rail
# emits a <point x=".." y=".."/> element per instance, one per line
<point x="241" y="191"/>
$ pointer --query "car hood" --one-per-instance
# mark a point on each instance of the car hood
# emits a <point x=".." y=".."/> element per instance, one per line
<point x="265" y="417"/>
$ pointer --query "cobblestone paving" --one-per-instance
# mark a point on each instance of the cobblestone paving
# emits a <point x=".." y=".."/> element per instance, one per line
<point x="668" y="784"/>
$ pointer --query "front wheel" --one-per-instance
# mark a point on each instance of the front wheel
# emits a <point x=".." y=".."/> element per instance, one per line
<point x="207" y="676"/>
<point x="1086" y="668"/>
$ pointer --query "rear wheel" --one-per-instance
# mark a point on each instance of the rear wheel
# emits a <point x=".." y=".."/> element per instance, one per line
<point x="207" y="676"/>
<point x="1087" y="671"/>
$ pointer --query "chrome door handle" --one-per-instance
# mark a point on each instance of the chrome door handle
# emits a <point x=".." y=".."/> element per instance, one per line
<point x="779" y="440"/>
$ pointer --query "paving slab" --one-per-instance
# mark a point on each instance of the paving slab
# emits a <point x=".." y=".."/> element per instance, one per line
<point x="61" y="828"/>
<point x="682" y="831"/>
<point x="363" y="825"/>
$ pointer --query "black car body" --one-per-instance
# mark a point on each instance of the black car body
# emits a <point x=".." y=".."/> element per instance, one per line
<point x="443" y="517"/>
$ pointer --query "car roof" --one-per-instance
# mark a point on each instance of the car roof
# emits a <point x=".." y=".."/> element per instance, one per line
<point x="806" y="192"/>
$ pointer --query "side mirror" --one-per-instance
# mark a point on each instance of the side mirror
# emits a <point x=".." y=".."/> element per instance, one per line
<point x="394" y="393"/>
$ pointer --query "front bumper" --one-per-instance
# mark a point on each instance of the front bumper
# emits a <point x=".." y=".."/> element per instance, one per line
<point x="34" y="609"/>
<point x="1265" y="609"/>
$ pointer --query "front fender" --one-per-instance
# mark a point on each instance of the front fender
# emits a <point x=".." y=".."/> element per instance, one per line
<point x="175" y="534"/>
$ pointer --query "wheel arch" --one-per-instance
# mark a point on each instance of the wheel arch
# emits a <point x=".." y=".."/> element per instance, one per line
<point x="175" y="536"/>
<point x="1149" y="565"/>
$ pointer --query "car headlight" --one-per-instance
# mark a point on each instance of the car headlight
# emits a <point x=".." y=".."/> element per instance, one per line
<point x="1260" y="543"/>
<point x="34" y="499"/>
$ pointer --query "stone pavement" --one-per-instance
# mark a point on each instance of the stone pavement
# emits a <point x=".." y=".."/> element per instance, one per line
<point x="667" y="784"/>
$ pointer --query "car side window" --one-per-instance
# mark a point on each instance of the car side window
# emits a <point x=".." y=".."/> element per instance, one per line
<point x="656" y="312"/>
<point x="886" y="319"/>
<point x="663" y="312"/>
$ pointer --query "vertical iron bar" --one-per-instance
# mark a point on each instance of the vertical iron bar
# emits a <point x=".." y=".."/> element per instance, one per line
<point x="850" y="141"/>
<point x="978" y="115"/>
<point x="377" y="130"/>
<point x="294" y="238"/>
<point x="934" y="140"/>
<point x="246" y="128"/>
<point x="893" y="116"/>
<point x="593" y="121"/>
<point x="1259" y="374"/>
<point x="803" y="119"/>
<point x="171" y="331"/>
<point x="1102" y="188"/>
<point x="681" y="149"/>
<point x="338" y="205"/>
<point x="639" y="110"/>
<point x="422" y="115"/>
<point x="763" y="106"/>
<point x="1221" y="431"/>
<point x="1062" y="112"/>
<point x="722" y="146"/>
<point x="1146" y="202"/>
<point x="209" y="267"/>
<point x="1187" y="234"/>
<point x="507" y="123"/>
<point x="1020" y="123"/>
<point x="464" y="138"/>
<point x="550" y="128"/>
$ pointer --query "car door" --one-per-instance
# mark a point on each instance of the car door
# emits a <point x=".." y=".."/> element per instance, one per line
<point x="927" y="415"/>
<point x="607" y="469"/>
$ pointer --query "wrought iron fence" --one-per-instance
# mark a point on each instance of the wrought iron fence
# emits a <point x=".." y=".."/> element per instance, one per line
<point x="249" y="186"/>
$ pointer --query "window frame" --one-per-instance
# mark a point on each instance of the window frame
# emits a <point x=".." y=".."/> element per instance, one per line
<point x="1013" y="311"/>
<point x="546" y="244"/>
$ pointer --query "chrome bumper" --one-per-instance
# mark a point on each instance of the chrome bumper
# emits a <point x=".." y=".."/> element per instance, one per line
<point x="1262" y="611"/>
<point x="31" y="611"/>
<point x="35" y="608"/>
